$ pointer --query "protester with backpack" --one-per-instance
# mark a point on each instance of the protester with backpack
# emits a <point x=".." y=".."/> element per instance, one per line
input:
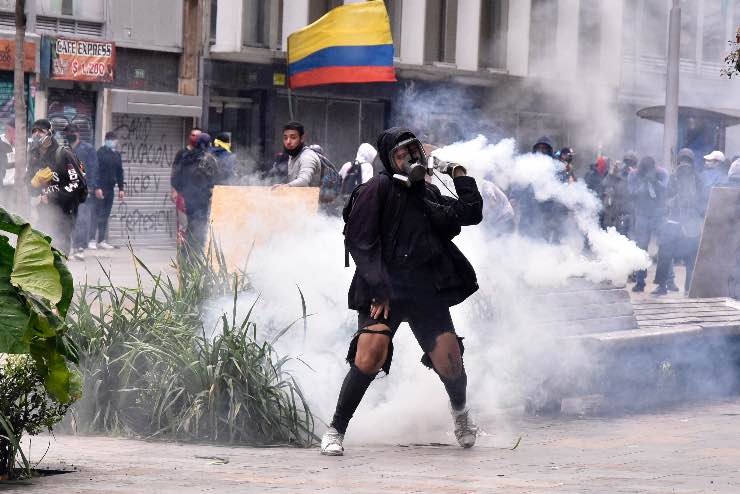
<point x="304" y="165"/>
<point x="58" y="185"/>
<point x="399" y="231"/>
<point x="193" y="178"/>
<point x="359" y="171"/>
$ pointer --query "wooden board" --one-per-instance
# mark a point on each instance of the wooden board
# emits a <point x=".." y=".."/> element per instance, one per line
<point x="718" y="259"/>
<point x="245" y="215"/>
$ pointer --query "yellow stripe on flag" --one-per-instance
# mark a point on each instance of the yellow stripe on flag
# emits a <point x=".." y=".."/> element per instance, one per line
<point x="355" y="24"/>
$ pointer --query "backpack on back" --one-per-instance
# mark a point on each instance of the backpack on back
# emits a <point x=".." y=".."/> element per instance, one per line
<point x="81" y="190"/>
<point x="330" y="183"/>
<point x="352" y="179"/>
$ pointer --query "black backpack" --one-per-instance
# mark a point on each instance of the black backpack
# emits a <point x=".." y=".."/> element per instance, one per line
<point x="352" y="179"/>
<point x="81" y="190"/>
<point x="330" y="184"/>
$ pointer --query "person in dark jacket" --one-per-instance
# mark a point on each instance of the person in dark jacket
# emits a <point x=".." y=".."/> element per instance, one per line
<point x="648" y="188"/>
<point x="399" y="232"/>
<point x="110" y="175"/>
<point x="221" y="150"/>
<point x="616" y="199"/>
<point x="679" y="237"/>
<point x="57" y="185"/>
<point x="194" y="179"/>
<point x="85" y="153"/>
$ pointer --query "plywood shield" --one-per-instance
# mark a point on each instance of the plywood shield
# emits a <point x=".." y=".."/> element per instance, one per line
<point x="242" y="216"/>
<point x="717" y="271"/>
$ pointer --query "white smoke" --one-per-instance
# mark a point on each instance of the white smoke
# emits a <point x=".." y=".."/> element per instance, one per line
<point x="505" y="355"/>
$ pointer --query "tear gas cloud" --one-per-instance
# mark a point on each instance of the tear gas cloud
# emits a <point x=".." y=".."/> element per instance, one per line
<point x="506" y="356"/>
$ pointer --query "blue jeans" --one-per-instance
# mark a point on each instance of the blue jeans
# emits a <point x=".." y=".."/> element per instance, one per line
<point x="83" y="232"/>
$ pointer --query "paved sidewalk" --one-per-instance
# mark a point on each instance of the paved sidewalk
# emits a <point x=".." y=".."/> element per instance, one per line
<point x="120" y="264"/>
<point x="693" y="449"/>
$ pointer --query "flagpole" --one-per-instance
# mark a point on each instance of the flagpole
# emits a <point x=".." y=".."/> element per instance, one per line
<point x="290" y="103"/>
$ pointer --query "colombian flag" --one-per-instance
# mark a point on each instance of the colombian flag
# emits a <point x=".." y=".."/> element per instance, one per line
<point x="351" y="43"/>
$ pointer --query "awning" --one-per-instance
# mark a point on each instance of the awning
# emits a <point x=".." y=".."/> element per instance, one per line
<point x="155" y="103"/>
<point x="723" y="118"/>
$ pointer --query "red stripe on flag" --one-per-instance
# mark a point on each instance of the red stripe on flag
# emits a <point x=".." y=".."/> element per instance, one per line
<point x="340" y="75"/>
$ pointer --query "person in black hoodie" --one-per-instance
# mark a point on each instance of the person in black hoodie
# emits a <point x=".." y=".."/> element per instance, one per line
<point x="110" y="175"/>
<point x="399" y="231"/>
<point x="58" y="185"/>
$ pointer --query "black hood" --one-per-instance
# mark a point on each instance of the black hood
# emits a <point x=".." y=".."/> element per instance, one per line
<point x="547" y="142"/>
<point x="387" y="140"/>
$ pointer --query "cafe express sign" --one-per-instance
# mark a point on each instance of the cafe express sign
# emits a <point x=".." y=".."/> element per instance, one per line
<point x="81" y="60"/>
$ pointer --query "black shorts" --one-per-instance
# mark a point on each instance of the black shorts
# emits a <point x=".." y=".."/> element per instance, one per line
<point x="427" y="321"/>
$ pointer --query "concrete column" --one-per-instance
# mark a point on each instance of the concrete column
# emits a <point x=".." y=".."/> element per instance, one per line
<point x="295" y="16"/>
<point x="566" y="38"/>
<point x="412" y="31"/>
<point x="229" y="29"/>
<point x="40" y="103"/>
<point x="517" y="38"/>
<point x="612" y="15"/>
<point x="467" y="44"/>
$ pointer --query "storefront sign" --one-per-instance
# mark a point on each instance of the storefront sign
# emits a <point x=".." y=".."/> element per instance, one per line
<point x="80" y="60"/>
<point x="7" y="55"/>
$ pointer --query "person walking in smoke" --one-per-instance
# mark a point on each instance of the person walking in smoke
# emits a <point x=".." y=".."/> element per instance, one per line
<point x="648" y="186"/>
<point x="178" y="199"/>
<point x="399" y="231"/>
<point x="616" y="200"/>
<point x="58" y="185"/>
<point x="712" y="174"/>
<point x="194" y="180"/>
<point x="679" y="237"/>
<point x="85" y="152"/>
<point x="110" y="175"/>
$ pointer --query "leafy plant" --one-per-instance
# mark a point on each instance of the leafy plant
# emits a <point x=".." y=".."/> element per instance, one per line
<point x="25" y="408"/>
<point x="151" y="368"/>
<point x="732" y="60"/>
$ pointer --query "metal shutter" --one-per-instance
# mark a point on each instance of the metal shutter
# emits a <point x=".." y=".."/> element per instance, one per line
<point x="148" y="145"/>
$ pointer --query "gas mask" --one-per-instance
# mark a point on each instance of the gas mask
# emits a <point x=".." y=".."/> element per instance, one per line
<point x="414" y="165"/>
<point x="40" y="140"/>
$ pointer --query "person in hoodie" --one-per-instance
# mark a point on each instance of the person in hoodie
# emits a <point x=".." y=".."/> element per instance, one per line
<point x="221" y="150"/>
<point x="533" y="216"/>
<point x="194" y="180"/>
<point x="360" y="170"/>
<point x="399" y="230"/>
<point x="712" y="174"/>
<point x="616" y="200"/>
<point x="679" y="237"/>
<point x="57" y="183"/>
<point x="648" y="188"/>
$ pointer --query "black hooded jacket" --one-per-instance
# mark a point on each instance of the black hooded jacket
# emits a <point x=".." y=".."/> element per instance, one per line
<point x="401" y="237"/>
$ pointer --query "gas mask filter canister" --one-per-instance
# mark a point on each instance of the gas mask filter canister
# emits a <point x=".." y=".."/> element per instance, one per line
<point x="414" y="165"/>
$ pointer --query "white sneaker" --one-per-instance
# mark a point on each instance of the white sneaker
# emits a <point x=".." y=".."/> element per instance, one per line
<point x="92" y="245"/>
<point x="105" y="245"/>
<point x="331" y="443"/>
<point x="79" y="254"/>
<point x="465" y="429"/>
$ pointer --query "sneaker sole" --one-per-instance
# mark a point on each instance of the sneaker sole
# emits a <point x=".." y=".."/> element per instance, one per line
<point x="332" y="453"/>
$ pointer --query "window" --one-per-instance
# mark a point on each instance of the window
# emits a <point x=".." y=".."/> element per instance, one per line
<point x="629" y="27"/>
<point x="440" y="31"/>
<point x="262" y="23"/>
<point x="714" y="43"/>
<point x="67" y="7"/>
<point x="589" y="36"/>
<point x="542" y="36"/>
<point x="689" y="13"/>
<point x="395" y="9"/>
<point x="494" y="21"/>
<point x="317" y="8"/>
<point x="653" y="29"/>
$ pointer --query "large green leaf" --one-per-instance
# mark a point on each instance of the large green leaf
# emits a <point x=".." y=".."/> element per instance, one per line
<point x="11" y="222"/>
<point x="68" y="287"/>
<point x="34" y="269"/>
<point x="14" y="314"/>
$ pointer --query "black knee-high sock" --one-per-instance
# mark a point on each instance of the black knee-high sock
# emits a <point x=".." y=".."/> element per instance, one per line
<point x="456" y="389"/>
<point x="353" y="389"/>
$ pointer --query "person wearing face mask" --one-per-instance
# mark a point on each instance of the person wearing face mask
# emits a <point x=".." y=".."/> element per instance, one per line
<point x="57" y="184"/>
<point x="110" y="175"/>
<point x="304" y="165"/>
<point x="399" y="230"/>
<point x="86" y="154"/>
<point x="179" y="199"/>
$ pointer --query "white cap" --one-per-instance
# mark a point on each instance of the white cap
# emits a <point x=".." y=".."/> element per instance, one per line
<point x="715" y="156"/>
